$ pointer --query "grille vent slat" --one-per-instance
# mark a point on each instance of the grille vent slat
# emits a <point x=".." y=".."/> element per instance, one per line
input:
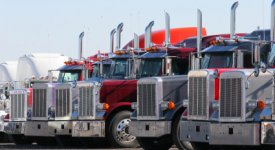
<point x="198" y="96"/>
<point x="231" y="97"/>
<point x="39" y="102"/>
<point x="147" y="100"/>
<point x="18" y="106"/>
<point x="62" y="102"/>
<point x="86" y="103"/>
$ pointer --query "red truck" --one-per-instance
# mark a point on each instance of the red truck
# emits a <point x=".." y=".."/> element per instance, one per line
<point x="117" y="94"/>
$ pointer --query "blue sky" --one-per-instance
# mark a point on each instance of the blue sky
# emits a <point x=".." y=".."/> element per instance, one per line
<point x="54" y="25"/>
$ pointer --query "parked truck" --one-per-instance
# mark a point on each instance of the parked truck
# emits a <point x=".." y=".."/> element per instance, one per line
<point x="30" y="68"/>
<point x="159" y="100"/>
<point x="233" y="107"/>
<point x="120" y="93"/>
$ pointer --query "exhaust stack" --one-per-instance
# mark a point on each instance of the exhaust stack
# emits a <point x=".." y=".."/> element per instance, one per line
<point x="148" y="35"/>
<point x="119" y="29"/>
<point x="167" y="29"/>
<point x="81" y="35"/>
<point x="199" y="31"/>
<point x="233" y="19"/>
<point x="112" y="34"/>
<point x="136" y="42"/>
<point x="272" y="29"/>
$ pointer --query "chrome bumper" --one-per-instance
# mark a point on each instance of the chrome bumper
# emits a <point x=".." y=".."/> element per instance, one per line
<point x="39" y="128"/>
<point x="149" y="128"/>
<point x="61" y="127"/>
<point x="194" y="131"/>
<point x="235" y="134"/>
<point x="14" y="127"/>
<point x="267" y="133"/>
<point x="221" y="133"/>
<point x="88" y="129"/>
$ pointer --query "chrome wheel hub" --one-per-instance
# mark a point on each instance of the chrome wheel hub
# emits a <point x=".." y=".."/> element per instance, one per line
<point x="122" y="131"/>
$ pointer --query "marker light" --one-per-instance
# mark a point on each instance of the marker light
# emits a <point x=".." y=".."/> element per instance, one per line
<point x="106" y="106"/>
<point x="171" y="105"/>
<point x="260" y="104"/>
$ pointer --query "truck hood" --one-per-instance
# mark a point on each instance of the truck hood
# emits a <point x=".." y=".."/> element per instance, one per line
<point x="114" y="91"/>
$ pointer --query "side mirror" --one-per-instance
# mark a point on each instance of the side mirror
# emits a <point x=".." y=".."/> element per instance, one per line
<point x="3" y="97"/>
<point x="195" y="61"/>
<point x="168" y="67"/>
<point x="271" y="57"/>
<point x="256" y="60"/>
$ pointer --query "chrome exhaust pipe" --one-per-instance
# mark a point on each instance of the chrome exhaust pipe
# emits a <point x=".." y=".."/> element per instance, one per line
<point x="272" y="28"/>
<point x="199" y="31"/>
<point x="81" y="35"/>
<point x="148" y="35"/>
<point x="136" y="42"/>
<point x="233" y="20"/>
<point x="112" y="34"/>
<point x="167" y="29"/>
<point x="119" y="29"/>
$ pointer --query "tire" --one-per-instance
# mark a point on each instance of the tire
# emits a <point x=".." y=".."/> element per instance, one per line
<point x="161" y="143"/>
<point x="21" y="140"/>
<point x="182" y="145"/>
<point x="46" y="141"/>
<point x="118" y="131"/>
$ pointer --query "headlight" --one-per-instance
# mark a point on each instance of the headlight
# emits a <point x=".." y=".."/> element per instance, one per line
<point x="185" y="103"/>
<point x="251" y="104"/>
<point x="215" y="104"/>
<point x="134" y="105"/>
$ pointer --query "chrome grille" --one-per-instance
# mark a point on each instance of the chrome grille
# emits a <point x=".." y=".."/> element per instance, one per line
<point x="147" y="100"/>
<point x="18" y="105"/>
<point x="62" y="100"/>
<point x="231" y="97"/>
<point x="39" y="103"/>
<point x="86" y="103"/>
<point x="197" y="96"/>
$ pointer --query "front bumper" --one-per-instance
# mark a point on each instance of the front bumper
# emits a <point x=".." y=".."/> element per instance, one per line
<point x="227" y="133"/>
<point x="88" y="129"/>
<point x="39" y="128"/>
<point x="149" y="128"/>
<point x="61" y="127"/>
<point x="14" y="127"/>
<point x="195" y="131"/>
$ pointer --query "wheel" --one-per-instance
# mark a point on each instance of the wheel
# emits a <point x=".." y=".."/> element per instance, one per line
<point x="182" y="145"/>
<point x="161" y="143"/>
<point x="21" y="140"/>
<point x="118" y="131"/>
<point x="46" y="141"/>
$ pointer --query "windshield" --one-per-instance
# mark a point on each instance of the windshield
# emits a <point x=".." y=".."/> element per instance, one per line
<point x="150" y="67"/>
<point x="217" y="60"/>
<point x="69" y="76"/>
<point x="106" y="70"/>
<point x="120" y="68"/>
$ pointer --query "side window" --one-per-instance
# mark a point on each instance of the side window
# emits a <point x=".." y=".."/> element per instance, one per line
<point x="180" y="66"/>
<point x="247" y="61"/>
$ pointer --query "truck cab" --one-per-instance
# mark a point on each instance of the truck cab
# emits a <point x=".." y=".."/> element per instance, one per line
<point x="214" y="116"/>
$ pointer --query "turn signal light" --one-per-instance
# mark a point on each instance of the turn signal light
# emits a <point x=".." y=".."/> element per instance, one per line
<point x="171" y="105"/>
<point x="260" y="104"/>
<point x="106" y="106"/>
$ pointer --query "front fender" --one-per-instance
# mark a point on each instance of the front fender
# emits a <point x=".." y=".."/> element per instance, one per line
<point x="169" y="115"/>
<point x="116" y="106"/>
